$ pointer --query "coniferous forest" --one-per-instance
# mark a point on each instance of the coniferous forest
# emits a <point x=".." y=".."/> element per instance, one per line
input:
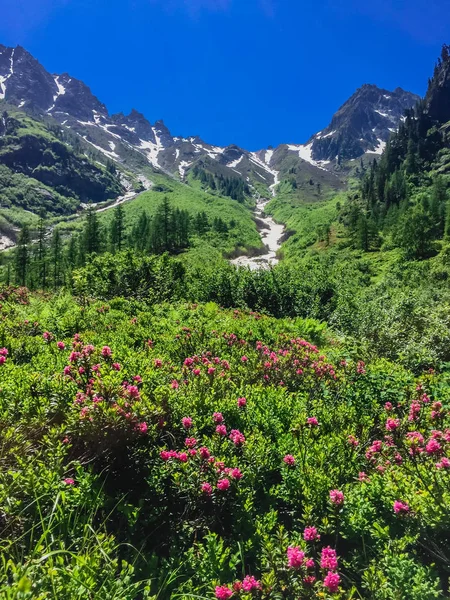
<point x="176" y="426"/>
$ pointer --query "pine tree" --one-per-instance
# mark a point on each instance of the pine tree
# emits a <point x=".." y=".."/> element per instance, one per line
<point x="22" y="257"/>
<point x="117" y="229"/>
<point x="56" y="257"/>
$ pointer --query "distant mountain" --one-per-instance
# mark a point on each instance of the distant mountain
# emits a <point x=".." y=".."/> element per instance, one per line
<point x="362" y="124"/>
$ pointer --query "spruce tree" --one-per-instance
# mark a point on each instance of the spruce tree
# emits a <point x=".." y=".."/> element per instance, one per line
<point x="22" y="257"/>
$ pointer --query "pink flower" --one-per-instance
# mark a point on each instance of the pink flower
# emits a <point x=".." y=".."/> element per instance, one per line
<point x="309" y="580"/>
<point x="69" y="481"/>
<point x="66" y="370"/>
<point x="443" y="464"/>
<point x="289" y="460"/>
<point x="331" y="582"/>
<point x="328" y="559"/>
<point x="336" y="497"/>
<point x="310" y="534"/>
<point x="116" y="366"/>
<point x="223" y="484"/>
<point x="352" y="441"/>
<point x="3" y="352"/>
<point x="309" y="564"/>
<point x="206" y="488"/>
<point x="236" y="437"/>
<point x="236" y="473"/>
<point x="241" y="402"/>
<point x="133" y="391"/>
<point x="187" y="422"/>
<point x="312" y="421"/>
<point x="400" y="508"/>
<point x="211" y="370"/>
<point x="158" y="363"/>
<point x="223" y="592"/>
<point x="106" y="352"/>
<point x="142" y="427"/>
<point x="392" y="424"/>
<point x="165" y="455"/>
<point x="2" y="360"/>
<point x="221" y="430"/>
<point x="388" y="406"/>
<point x="244" y="359"/>
<point x="295" y="557"/>
<point x="182" y="457"/>
<point x="204" y="453"/>
<point x="433" y="447"/>
<point x="218" y="417"/>
<point x="175" y="385"/>
<point x="250" y="583"/>
<point x="190" y="442"/>
<point x="196" y="372"/>
<point x="60" y="345"/>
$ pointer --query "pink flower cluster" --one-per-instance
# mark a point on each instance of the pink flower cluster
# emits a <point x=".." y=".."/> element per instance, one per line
<point x="336" y="497"/>
<point x="3" y="355"/>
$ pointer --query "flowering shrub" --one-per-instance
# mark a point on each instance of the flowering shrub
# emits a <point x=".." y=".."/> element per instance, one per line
<point x="218" y="453"/>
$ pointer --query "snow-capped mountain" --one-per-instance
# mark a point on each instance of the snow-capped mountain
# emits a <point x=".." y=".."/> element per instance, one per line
<point x="362" y="124"/>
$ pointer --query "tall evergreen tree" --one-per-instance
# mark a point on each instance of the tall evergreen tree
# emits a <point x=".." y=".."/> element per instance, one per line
<point x="22" y="257"/>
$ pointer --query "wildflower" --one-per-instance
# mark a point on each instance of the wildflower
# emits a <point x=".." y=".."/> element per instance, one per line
<point x="133" y="391"/>
<point x="241" y="402"/>
<point x="66" y="370"/>
<point x="353" y="441"/>
<point x="221" y="430"/>
<point x="336" y="497"/>
<point x="362" y="476"/>
<point x="223" y="592"/>
<point x="175" y="385"/>
<point x="433" y="447"/>
<point x="312" y="421"/>
<point x="388" y="406"/>
<point x="2" y="360"/>
<point x="392" y="424"/>
<point x="250" y="583"/>
<point x="69" y="481"/>
<point x="106" y="352"/>
<point x="295" y="557"/>
<point x="331" y="582"/>
<point x="218" y="417"/>
<point x="236" y="437"/>
<point x="116" y="366"/>
<point x="3" y="352"/>
<point x="165" y="455"/>
<point x="310" y="534"/>
<point x="443" y="464"/>
<point x="142" y="427"/>
<point x="60" y="345"/>
<point x="236" y="473"/>
<point x="211" y="371"/>
<point x="401" y="508"/>
<point x="289" y="460"/>
<point x="309" y="580"/>
<point x="204" y="453"/>
<point x="196" y="372"/>
<point x="187" y="422"/>
<point x="223" y="484"/>
<point x="190" y="442"/>
<point x="328" y="559"/>
<point x="206" y="488"/>
<point x="158" y="363"/>
<point x="47" y="336"/>
<point x="309" y="564"/>
<point x="244" y="359"/>
<point x="182" y="457"/>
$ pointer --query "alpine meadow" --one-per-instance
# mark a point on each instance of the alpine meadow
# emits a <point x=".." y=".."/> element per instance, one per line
<point x="224" y="374"/>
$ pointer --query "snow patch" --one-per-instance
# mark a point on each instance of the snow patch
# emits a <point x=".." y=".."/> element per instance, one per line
<point x="268" y="157"/>
<point x="379" y="149"/>
<point x="275" y="174"/>
<point x="61" y="89"/>
<point x="4" y="79"/>
<point x="102" y="150"/>
<point x="319" y="135"/>
<point x="184" y="164"/>
<point x="305" y="153"/>
<point x="235" y="163"/>
<point x="383" y="114"/>
<point x="5" y="242"/>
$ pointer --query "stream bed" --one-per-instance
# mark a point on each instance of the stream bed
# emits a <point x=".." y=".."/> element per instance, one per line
<point x="271" y="235"/>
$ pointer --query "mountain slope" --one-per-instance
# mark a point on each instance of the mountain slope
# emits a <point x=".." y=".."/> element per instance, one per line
<point x="362" y="124"/>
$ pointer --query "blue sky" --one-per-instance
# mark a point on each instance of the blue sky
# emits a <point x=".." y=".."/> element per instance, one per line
<point x="250" y="72"/>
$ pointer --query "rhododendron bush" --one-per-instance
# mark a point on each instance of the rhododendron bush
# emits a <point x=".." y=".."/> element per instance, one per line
<point x="188" y="451"/>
